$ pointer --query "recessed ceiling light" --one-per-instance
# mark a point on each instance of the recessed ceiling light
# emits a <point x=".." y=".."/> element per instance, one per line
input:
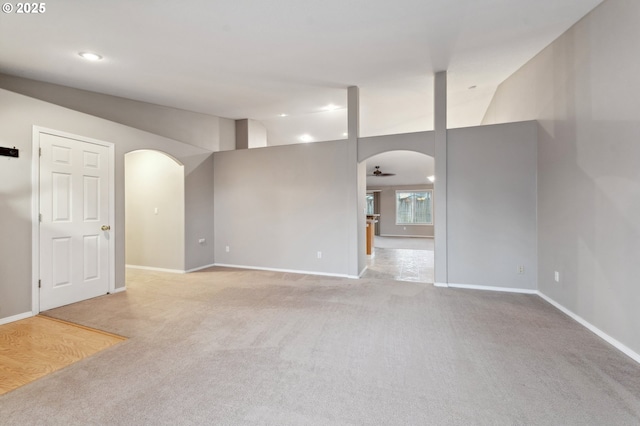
<point x="331" y="107"/>
<point x="431" y="178"/>
<point x="90" y="56"/>
<point x="283" y="115"/>
<point x="306" y="138"/>
<point x="472" y="87"/>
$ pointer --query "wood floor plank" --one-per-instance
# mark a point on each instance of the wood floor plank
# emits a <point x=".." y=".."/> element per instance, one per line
<point x="37" y="346"/>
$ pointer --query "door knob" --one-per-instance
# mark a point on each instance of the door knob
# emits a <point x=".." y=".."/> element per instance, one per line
<point x="105" y="227"/>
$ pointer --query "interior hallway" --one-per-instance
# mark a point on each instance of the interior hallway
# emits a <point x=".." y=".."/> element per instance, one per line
<point x="402" y="259"/>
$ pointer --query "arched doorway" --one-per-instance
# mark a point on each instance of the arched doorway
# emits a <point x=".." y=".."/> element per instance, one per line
<point x="154" y="211"/>
<point x="400" y="192"/>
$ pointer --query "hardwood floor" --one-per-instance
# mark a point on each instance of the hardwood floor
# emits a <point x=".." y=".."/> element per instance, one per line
<point x="36" y="346"/>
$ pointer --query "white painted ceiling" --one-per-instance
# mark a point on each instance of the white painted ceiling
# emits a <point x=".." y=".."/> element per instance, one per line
<point x="260" y="58"/>
<point x="409" y="168"/>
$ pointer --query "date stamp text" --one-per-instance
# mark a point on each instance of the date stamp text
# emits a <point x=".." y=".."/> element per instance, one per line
<point x="26" y="8"/>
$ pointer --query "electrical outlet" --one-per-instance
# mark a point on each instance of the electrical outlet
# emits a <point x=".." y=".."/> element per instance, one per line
<point x="227" y="249"/>
<point x="521" y="270"/>
<point x="155" y="210"/>
<point x="319" y="255"/>
<point x="556" y="276"/>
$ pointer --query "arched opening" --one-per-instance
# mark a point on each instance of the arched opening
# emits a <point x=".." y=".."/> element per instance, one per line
<point x="154" y="211"/>
<point x="400" y="202"/>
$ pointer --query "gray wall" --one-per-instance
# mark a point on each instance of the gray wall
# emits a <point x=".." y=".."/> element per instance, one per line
<point x="250" y="134"/>
<point x="491" y="205"/>
<point x="18" y="115"/>
<point x="277" y="207"/>
<point x="154" y="210"/>
<point x="198" y="211"/>
<point x="361" y="172"/>
<point x="203" y="130"/>
<point x="585" y="91"/>
<point x="423" y="142"/>
<point x="388" y="213"/>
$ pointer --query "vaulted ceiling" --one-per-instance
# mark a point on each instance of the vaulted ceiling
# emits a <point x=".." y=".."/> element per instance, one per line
<point x="259" y="59"/>
<point x="406" y="168"/>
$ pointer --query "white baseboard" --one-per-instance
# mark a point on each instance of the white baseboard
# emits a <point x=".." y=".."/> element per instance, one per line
<point x="151" y="268"/>
<point x="200" y="268"/>
<point x="362" y="272"/>
<point x="173" y="271"/>
<point x="14" y="318"/>
<point x="491" y="288"/>
<point x="615" y="343"/>
<point x="604" y="336"/>
<point x="119" y="290"/>
<point x="292" y="271"/>
<point x="409" y="236"/>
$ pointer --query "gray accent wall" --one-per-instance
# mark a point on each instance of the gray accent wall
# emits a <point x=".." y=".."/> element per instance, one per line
<point x="203" y="130"/>
<point x="362" y="218"/>
<point x="198" y="211"/>
<point x="154" y="210"/>
<point x="491" y="205"/>
<point x="277" y="207"/>
<point x="584" y="89"/>
<point x="18" y="115"/>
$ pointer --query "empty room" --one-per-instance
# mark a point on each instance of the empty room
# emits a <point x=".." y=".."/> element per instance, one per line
<point x="331" y="213"/>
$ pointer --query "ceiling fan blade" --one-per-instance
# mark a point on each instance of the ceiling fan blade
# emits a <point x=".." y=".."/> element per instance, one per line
<point x="378" y="173"/>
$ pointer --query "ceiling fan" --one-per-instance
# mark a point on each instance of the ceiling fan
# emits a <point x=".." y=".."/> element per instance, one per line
<point x="377" y="172"/>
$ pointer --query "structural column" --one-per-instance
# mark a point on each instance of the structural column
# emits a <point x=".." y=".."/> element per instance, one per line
<point x="440" y="185"/>
<point x="357" y="257"/>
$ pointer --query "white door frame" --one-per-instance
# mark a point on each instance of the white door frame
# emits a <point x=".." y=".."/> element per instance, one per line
<point x="35" y="209"/>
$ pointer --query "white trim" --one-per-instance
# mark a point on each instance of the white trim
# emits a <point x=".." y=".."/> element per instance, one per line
<point x="430" y="206"/>
<point x="408" y="236"/>
<point x="119" y="290"/>
<point x="493" y="288"/>
<point x="293" y="271"/>
<point x="199" y="268"/>
<point x="363" y="271"/>
<point x="173" y="271"/>
<point x="604" y="336"/>
<point x="35" y="220"/>
<point x="35" y="208"/>
<point x="112" y="217"/>
<point x="151" y="268"/>
<point x="442" y="285"/>
<point x="14" y="318"/>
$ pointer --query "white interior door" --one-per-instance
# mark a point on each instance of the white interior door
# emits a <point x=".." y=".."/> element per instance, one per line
<point x="75" y="223"/>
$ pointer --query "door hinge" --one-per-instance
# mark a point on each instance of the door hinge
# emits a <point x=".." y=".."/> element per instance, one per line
<point x="40" y="216"/>
<point x="39" y="283"/>
<point x="40" y="152"/>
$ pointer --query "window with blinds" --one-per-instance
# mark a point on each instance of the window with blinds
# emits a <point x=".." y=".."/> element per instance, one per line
<point x="414" y="207"/>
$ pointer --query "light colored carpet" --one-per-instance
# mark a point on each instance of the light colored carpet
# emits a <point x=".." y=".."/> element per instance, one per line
<point x="233" y="347"/>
